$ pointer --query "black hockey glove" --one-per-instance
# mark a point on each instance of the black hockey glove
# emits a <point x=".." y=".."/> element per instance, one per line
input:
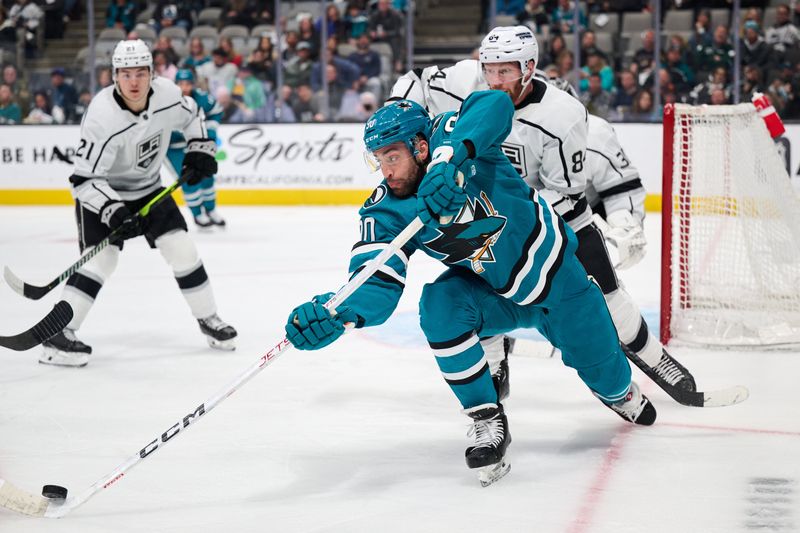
<point x="199" y="162"/>
<point x="119" y="219"/>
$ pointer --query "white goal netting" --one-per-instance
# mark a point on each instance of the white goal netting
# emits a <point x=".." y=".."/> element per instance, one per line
<point x="732" y="255"/>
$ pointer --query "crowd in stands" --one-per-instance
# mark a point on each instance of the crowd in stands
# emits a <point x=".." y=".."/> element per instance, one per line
<point x="235" y="55"/>
<point x="617" y="77"/>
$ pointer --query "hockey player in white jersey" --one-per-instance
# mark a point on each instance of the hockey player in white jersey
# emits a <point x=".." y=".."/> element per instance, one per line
<point x="550" y="146"/>
<point x="124" y="138"/>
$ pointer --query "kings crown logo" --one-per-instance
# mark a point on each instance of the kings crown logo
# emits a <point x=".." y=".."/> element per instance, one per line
<point x="147" y="151"/>
<point x="471" y="237"/>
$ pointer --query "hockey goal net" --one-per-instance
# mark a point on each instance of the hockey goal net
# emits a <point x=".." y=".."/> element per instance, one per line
<point x="730" y="267"/>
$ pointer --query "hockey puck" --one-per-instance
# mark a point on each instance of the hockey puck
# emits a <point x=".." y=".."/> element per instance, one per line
<point x="54" y="492"/>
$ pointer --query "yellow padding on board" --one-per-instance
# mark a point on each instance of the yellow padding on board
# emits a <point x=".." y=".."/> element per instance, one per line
<point x="240" y="197"/>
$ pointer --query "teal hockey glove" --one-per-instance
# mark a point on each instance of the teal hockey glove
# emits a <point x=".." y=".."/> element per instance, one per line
<point x="440" y="195"/>
<point x="311" y="326"/>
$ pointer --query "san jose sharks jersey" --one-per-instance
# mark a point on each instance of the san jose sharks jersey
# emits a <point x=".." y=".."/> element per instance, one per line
<point x="213" y="115"/>
<point x="506" y="232"/>
<point x="615" y="181"/>
<point x="547" y="141"/>
<point x="121" y="152"/>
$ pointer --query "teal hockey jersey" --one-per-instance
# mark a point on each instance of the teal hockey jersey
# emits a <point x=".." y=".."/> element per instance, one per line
<point x="213" y="112"/>
<point x="505" y="233"/>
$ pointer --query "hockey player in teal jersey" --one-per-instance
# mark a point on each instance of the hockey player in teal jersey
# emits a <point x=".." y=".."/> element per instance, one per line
<point x="511" y="257"/>
<point x="201" y="198"/>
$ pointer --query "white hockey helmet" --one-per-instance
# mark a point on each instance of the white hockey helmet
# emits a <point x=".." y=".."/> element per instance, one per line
<point x="132" y="53"/>
<point x="510" y="43"/>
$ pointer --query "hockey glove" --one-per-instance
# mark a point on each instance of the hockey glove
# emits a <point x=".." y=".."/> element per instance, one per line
<point x="440" y="195"/>
<point x="199" y="162"/>
<point x="119" y="219"/>
<point x="627" y="235"/>
<point x="311" y="326"/>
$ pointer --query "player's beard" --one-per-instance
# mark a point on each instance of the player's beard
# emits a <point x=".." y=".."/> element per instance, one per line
<point x="410" y="186"/>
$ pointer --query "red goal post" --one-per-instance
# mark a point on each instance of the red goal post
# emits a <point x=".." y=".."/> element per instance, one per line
<point x="730" y="236"/>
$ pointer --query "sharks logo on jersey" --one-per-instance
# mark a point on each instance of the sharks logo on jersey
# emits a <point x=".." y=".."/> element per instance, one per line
<point x="516" y="155"/>
<point x="475" y="230"/>
<point x="377" y="195"/>
<point x="147" y="151"/>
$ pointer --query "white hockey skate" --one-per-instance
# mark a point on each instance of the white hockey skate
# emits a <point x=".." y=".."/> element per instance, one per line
<point x="490" y="431"/>
<point x="64" y="349"/>
<point x="203" y="222"/>
<point x="216" y="219"/>
<point x="218" y="334"/>
<point x="635" y="407"/>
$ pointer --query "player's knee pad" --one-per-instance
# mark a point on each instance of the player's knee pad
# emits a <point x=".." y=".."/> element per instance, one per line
<point x="446" y="309"/>
<point x="495" y="351"/>
<point x="83" y="286"/>
<point x="179" y="252"/>
<point x="625" y="314"/>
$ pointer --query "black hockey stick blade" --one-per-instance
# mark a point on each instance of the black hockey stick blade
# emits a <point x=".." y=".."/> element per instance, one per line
<point x="27" y="290"/>
<point x="55" y="321"/>
<point x="717" y="398"/>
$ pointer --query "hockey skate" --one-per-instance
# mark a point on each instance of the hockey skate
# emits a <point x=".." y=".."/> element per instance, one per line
<point x="500" y="376"/>
<point x="674" y="373"/>
<point x="218" y="334"/>
<point x="64" y="349"/>
<point x="635" y="407"/>
<point x="203" y="222"/>
<point x="216" y="219"/>
<point x="490" y="430"/>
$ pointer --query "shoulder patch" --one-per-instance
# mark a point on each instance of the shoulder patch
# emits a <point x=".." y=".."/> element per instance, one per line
<point x="377" y="195"/>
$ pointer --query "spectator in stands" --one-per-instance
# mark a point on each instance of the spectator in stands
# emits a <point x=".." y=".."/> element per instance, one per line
<point x="248" y="90"/>
<point x="281" y="108"/>
<point x="718" y="97"/>
<point x="642" y="108"/>
<point x="348" y="72"/>
<point x="336" y="27"/>
<point x="783" y="35"/>
<point x="223" y="96"/>
<point x="701" y="36"/>
<point x="596" y="99"/>
<point x="549" y="54"/>
<point x="27" y="15"/>
<point x="265" y="43"/>
<point x="297" y="70"/>
<point x="718" y="79"/>
<point x="596" y="64"/>
<point x="534" y="16"/>
<point x="290" y="49"/>
<point x="167" y="14"/>
<point x="241" y="12"/>
<point x="718" y="54"/>
<point x="162" y="65"/>
<point x="343" y="100"/>
<point x="84" y="98"/>
<point x="62" y="94"/>
<point x="356" y="20"/>
<point x="307" y="33"/>
<point x="780" y="90"/>
<point x="217" y="72"/>
<point x="197" y="55"/>
<point x="164" y="44"/>
<point x="10" y="112"/>
<point x="754" y="50"/>
<point x="369" y="104"/>
<point x="589" y="47"/>
<point x="233" y="56"/>
<point x="752" y="14"/>
<point x="261" y="66"/>
<point x="121" y="14"/>
<point x="369" y="63"/>
<point x="43" y="112"/>
<point x="8" y="33"/>
<point x="679" y="71"/>
<point x="104" y="78"/>
<point x="566" y="64"/>
<point x="386" y="26"/>
<point x="752" y="82"/>
<point x="564" y="17"/>
<point x="306" y="106"/>
<point x="644" y="58"/>
<point x="19" y="88"/>
<point x="626" y="91"/>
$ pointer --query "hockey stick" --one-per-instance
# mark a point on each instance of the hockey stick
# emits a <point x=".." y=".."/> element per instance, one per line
<point x="55" y="321"/>
<point x="35" y="292"/>
<point x="717" y="398"/>
<point x="16" y="499"/>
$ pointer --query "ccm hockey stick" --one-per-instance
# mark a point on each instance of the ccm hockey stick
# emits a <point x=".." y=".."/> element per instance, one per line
<point x="35" y="292"/>
<point x="717" y="398"/>
<point x="54" y="502"/>
<point x="55" y="321"/>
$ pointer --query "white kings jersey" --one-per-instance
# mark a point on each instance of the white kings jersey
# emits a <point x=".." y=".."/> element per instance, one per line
<point x="121" y="153"/>
<point x="613" y="180"/>
<point x="547" y="144"/>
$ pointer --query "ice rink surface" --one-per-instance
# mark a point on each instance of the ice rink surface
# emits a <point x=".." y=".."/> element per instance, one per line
<point x="363" y="436"/>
